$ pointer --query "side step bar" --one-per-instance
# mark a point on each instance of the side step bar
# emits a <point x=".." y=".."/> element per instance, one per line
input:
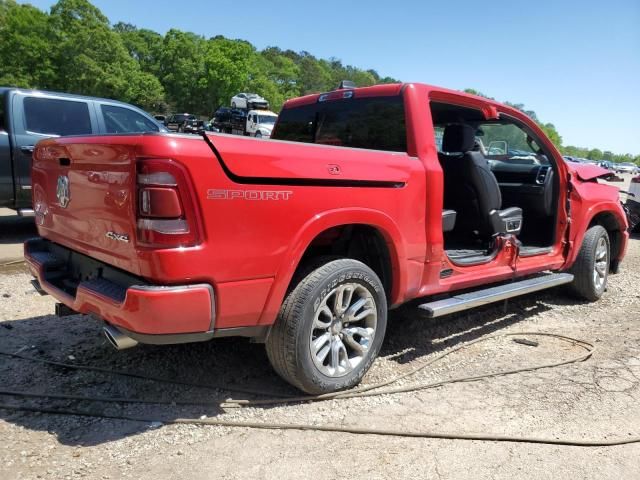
<point x="477" y="298"/>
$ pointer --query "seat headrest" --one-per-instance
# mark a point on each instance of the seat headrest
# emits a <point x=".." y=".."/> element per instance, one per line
<point x="458" y="138"/>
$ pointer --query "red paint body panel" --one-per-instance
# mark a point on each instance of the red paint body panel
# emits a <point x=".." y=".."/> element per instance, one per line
<point x="256" y="232"/>
<point x="586" y="171"/>
<point x="187" y="309"/>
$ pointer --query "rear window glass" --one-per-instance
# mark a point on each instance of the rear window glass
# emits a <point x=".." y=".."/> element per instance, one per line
<point x="125" y="120"/>
<point x="53" y="116"/>
<point x="375" y="123"/>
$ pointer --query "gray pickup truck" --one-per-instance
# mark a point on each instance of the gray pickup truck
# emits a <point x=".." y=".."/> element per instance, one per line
<point x="28" y="116"/>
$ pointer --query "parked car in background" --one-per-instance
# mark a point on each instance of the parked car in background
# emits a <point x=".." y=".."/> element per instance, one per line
<point x="254" y="123"/>
<point x="259" y="123"/>
<point x="28" y="116"/>
<point x="605" y="164"/>
<point x="632" y="205"/>
<point x="223" y="118"/>
<point x="627" y="167"/>
<point x="249" y="101"/>
<point x="184" y="123"/>
<point x="571" y="159"/>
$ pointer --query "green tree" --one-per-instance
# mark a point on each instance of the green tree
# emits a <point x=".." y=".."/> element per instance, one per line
<point x="25" y="49"/>
<point x="230" y="66"/>
<point x="594" y="154"/>
<point x="145" y="46"/>
<point x="90" y="58"/>
<point x="182" y="70"/>
<point x="315" y="77"/>
<point x="550" y="131"/>
<point x="478" y="93"/>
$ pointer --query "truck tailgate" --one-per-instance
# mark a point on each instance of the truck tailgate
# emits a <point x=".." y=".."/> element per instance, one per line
<point x="85" y="198"/>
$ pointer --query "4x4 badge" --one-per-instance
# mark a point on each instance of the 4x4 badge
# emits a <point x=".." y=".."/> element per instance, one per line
<point x="120" y="237"/>
<point x="62" y="191"/>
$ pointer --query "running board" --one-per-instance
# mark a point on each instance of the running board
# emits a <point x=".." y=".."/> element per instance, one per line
<point x="477" y="298"/>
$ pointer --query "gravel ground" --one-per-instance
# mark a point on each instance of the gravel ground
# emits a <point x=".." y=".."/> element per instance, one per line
<point x="591" y="400"/>
<point x="13" y="231"/>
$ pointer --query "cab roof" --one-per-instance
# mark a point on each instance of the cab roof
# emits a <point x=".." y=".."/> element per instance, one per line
<point x="390" y="89"/>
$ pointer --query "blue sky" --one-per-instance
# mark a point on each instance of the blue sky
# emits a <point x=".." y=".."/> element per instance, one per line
<point x="576" y="63"/>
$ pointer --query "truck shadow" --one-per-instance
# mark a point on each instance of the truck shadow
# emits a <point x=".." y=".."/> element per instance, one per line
<point x="416" y="335"/>
<point x="15" y="229"/>
<point x="228" y="362"/>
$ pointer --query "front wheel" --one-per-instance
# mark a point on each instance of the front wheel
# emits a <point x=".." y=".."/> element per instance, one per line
<point x="591" y="268"/>
<point x="258" y="135"/>
<point x="330" y="328"/>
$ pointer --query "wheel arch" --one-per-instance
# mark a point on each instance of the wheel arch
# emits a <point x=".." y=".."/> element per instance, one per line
<point x="329" y="225"/>
<point x="609" y="222"/>
<point x="614" y="222"/>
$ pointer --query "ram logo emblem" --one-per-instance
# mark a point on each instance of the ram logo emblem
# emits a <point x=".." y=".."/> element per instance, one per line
<point x="62" y="191"/>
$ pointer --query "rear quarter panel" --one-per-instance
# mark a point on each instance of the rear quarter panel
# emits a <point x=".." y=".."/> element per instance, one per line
<point x="256" y="233"/>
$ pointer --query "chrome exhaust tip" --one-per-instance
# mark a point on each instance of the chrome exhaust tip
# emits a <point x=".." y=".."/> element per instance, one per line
<point x="117" y="339"/>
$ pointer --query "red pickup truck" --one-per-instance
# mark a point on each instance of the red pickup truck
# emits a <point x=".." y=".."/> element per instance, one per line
<point x="363" y="200"/>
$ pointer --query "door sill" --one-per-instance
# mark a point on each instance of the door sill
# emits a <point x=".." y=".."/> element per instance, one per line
<point x="469" y="257"/>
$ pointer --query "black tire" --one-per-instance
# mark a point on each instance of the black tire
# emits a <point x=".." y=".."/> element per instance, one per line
<point x="289" y="342"/>
<point x="258" y="135"/>
<point x="233" y="105"/>
<point x="586" y="280"/>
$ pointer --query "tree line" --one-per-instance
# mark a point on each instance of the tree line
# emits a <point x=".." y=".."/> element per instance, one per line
<point x="74" y="48"/>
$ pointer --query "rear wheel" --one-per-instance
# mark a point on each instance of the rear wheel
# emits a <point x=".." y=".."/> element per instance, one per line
<point x="591" y="268"/>
<point x="330" y="328"/>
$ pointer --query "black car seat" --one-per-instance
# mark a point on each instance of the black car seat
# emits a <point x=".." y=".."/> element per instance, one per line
<point x="471" y="189"/>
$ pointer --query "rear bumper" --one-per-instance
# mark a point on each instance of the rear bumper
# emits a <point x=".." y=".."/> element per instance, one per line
<point x="182" y="313"/>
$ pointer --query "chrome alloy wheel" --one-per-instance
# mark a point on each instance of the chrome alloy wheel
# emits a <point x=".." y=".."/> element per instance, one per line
<point x="344" y="326"/>
<point x="601" y="264"/>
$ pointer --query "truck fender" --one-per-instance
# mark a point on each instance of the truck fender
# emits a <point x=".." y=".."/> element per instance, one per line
<point x="318" y="224"/>
<point x="585" y="219"/>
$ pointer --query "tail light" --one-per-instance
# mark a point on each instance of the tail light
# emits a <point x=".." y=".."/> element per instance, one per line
<point x="166" y="213"/>
<point x="635" y="180"/>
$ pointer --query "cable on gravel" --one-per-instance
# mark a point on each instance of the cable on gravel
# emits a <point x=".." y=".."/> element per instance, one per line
<point x="367" y="390"/>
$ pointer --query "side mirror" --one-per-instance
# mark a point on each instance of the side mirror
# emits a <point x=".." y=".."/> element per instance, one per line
<point x="498" y="147"/>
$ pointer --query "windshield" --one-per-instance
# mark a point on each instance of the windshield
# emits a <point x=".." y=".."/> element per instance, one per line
<point x="507" y="142"/>
<point x="269" y="119"/>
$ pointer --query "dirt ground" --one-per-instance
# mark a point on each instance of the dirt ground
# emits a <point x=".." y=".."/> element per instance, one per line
<point x="13" y="231"/>
<point x="595" y="399"/>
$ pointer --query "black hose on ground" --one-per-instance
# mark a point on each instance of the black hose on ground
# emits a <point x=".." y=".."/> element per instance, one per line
<point x="330" y="428"/>
<point x="366" y="391"/>
<point x="357" y="392"/>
